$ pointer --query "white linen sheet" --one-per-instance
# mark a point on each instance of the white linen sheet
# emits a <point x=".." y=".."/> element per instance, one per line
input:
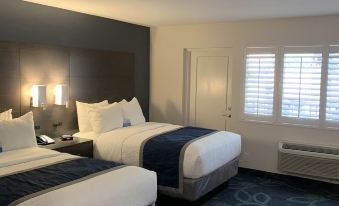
<point x="86" y="135"/>
<point x="126" y="186"/>
<point x="201" y="157"/>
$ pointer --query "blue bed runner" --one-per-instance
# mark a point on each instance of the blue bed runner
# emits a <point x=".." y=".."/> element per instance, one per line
<point x="23" y="184"/>
<point x="164" y="153"/>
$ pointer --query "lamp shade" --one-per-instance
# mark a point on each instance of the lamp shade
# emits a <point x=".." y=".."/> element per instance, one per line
<point x="38" y="96"/>
<point x="61" y="94"/>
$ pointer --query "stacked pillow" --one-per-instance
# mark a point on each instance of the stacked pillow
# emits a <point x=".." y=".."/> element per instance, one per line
<point x="7" y="115"/>
<point x="99" y="117"/>
<point x="83" y="119"/>
<point x="103" y="117"/>
<point x="132" y="112"/>
<point x="17" y="133"/>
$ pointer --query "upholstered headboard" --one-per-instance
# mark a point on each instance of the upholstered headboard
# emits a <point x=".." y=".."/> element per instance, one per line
<point x="92" y="75"/>
<point x="9" y="77"/>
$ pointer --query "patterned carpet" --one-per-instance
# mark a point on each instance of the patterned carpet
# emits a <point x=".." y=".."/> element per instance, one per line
<point x="253" y="188"/>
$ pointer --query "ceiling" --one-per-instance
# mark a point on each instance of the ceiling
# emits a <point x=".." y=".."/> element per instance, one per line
<point x="172" y="12"/>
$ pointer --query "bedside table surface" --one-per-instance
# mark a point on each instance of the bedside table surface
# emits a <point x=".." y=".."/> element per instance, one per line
<point x="59" y="143"/>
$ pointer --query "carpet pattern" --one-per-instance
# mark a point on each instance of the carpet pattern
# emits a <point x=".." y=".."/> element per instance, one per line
<point x="254" y="188"/>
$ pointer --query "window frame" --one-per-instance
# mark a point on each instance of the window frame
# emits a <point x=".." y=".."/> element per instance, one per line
<point x="252" y="117"/>
<point x="329" y="123"/>
<point x="293" y="120"/>
<point x="276" y="118"/>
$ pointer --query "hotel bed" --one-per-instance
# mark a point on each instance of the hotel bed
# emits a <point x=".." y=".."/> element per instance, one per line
<point x="204" y="162"/>
<point x="36" y="176"/>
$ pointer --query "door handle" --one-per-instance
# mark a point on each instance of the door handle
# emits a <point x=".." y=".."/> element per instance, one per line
<point x="227" y="115"/>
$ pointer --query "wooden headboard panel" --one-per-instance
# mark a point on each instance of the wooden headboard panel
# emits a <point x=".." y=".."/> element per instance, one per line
<point x="9" y="78"/>
<point x="92" y="75"/>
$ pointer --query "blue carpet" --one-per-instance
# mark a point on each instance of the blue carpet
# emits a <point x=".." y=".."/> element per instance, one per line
<point x="254" y="188"/>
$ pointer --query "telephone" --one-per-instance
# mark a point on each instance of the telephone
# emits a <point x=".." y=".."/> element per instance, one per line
<point x="44" y="139"/>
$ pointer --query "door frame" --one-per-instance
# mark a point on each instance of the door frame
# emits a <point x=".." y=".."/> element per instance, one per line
<point x="187" y="77"/>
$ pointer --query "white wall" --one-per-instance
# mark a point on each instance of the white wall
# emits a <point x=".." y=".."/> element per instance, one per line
<point x="259" y="141"/>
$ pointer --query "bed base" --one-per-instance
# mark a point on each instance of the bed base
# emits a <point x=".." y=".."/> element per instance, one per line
<point x="194" y="189"/>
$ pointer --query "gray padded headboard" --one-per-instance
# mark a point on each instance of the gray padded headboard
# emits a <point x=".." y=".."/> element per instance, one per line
<point x="92" y="75"/>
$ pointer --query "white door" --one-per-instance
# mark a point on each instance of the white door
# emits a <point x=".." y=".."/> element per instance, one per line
<point x="209" y="102"/>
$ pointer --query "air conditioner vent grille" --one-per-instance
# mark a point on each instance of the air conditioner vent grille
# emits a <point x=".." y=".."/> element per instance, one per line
<point x="310" y="166"/>
<point x="308" y="148"/>
<point x="312" y="161"/>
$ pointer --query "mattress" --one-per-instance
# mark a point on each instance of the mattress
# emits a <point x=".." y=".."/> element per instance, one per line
<point x="201" y="157"/>
<point x="128" y="185"/>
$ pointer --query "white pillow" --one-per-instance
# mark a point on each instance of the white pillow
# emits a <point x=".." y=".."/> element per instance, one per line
<point x="123" y="102"/>
<point x="7" y="115"/>
<point x="17" y="133"/>
<point x="83" y="119"/>
<point x="127" y="123"/>
<point x="105" y="118"/>
<point x="132" y="111"/>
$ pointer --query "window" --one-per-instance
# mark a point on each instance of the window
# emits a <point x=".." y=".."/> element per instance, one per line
<point x="301" y="89"/>
<point x="259" y="82"/>
<point x="332" y="100"/>
<point x="301" y="85"/>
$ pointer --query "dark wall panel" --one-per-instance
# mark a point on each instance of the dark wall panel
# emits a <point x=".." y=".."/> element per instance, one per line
<point x="46" y="65"/>
<point x="99" y="75"/>
<point x="106" y="75"/>
<point x="31" y="23"/>
<point x="9" y="78"/>
<point x="92" y="76"/>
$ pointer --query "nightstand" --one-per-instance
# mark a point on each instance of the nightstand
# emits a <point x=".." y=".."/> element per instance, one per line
<point x="78" y="146"/>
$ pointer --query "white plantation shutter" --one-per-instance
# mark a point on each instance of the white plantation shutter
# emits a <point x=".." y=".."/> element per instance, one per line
<point x="259" y="83"/>
<point x="332" y="100"/>
<point x="301" y="89"/>
<point x="301" y="85"/>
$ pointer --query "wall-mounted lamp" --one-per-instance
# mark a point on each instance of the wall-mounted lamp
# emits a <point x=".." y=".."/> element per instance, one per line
<point x="38" y="96"/>
<point x="61" y="95"/>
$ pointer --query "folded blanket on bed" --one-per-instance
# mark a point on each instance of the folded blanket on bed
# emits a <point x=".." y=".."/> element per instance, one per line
<point x="16" y="188"/>
<point x="164" y="154"/>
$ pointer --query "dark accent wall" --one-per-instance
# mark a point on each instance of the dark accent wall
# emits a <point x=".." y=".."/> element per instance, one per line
<point x="46" y="65"/>
<point x="31" y="23"/>
<point x="10" y="87"/>
<point x="91" y="76"/>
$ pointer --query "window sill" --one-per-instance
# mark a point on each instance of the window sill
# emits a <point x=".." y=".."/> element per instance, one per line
<point x="285" y="124"/>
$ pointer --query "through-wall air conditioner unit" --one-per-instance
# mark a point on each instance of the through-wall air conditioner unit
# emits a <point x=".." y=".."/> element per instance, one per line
<point x="309" y="160"/>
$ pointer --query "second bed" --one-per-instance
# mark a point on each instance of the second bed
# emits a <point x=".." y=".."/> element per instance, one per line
<point x="205" y="163"/>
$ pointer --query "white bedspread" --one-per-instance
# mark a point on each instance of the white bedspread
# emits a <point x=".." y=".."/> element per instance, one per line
<point x="201" y="157"/>
<point x="126" y="186"/>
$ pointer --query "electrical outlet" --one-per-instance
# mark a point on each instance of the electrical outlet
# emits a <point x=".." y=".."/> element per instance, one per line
<point x="58" y="124"/>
